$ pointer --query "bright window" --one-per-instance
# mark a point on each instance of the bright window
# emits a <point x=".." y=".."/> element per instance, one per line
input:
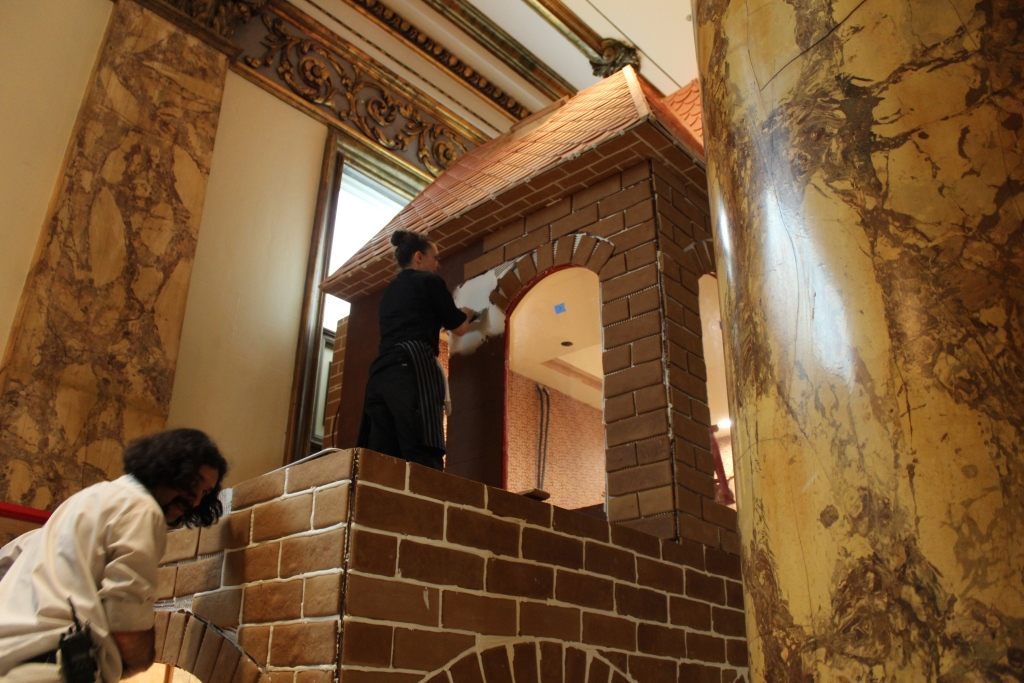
<point x="364" y="207"/>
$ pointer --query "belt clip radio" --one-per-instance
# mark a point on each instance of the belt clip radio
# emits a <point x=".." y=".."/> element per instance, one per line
<point x="78" y="661"/>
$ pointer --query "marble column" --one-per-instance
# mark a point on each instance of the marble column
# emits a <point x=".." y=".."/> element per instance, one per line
<point x="867" y="187"/>
<point x="92" y="352"/>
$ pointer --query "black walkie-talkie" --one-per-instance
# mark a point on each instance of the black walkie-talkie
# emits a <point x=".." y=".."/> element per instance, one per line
<point x="78" y="662"/>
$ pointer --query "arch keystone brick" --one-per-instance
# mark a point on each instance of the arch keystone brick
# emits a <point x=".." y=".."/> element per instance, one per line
<point x="526" y="269"/>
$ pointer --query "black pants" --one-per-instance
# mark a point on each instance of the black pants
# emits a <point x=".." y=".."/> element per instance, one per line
<point x="391" y="417"/>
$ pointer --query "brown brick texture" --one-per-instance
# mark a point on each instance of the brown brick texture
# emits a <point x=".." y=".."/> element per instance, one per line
<point x="358" y="567"/>
<point x="423" y="571"/>
<point x="332" y="405"/>
<point x="645" y="231"/>
<point x="438" y="572"/>
<point x="271" y="570"/>
<point x="686" y="254"/>
<point x="188" y="642"/>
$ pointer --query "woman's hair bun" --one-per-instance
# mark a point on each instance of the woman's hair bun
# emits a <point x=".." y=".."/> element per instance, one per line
<point x="406" y="244"/>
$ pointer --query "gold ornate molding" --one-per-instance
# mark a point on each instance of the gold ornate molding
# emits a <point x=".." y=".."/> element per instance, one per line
<point x="340" y="83"/>
<point x="220" y="16"/>
<point x="215" y="21"/>
<point x="432" y="49"/>
<point x="286" y="52"/>
<point x="614" y="56"/>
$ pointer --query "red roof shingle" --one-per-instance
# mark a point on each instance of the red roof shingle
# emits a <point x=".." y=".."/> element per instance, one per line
<point x="686" y="105"/>
<point x="530" y="155"/>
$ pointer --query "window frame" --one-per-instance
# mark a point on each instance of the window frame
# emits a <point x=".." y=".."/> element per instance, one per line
<point x="339" y="150"/>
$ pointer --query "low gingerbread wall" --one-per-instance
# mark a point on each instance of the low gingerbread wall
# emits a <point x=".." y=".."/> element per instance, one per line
<point x="362" y="568"/>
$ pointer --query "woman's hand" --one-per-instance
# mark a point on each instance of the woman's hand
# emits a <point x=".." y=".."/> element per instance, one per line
<point x="464" y="327"/>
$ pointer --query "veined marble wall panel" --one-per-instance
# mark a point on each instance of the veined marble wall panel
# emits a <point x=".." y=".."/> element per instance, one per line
<point x="866" y="178"/>
<point x="94" y="345"/>
<point x="40" y="95"/>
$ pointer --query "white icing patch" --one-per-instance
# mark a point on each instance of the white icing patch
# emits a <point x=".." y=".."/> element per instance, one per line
<point x="476" y="294"/>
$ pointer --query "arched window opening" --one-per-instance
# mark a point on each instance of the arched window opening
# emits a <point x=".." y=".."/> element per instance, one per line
<point x="554" y="394"/>
<point x="718" y="394"/>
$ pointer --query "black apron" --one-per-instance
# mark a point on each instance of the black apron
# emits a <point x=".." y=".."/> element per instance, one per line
<point x="430" y="390"/>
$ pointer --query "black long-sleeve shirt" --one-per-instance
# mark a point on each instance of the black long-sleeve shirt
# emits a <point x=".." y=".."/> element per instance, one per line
<point x="415" y="306"/>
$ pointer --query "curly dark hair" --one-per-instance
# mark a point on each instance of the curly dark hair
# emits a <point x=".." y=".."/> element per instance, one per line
<point x="173" y="459"/>
<point x="408" y="243"/>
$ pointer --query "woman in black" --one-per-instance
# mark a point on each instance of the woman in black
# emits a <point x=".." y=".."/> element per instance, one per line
<point x="405" y="395"/>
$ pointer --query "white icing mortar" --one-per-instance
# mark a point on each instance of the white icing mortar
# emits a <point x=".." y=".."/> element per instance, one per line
<point x="475" y="294"/>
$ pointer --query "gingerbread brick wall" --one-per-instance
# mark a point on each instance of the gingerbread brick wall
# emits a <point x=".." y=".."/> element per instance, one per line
<point x="332" y="405"/>
<point x="475" y="436"/>
<point x="684" y="243"/>
<point x="268" y="576"/>
<point x="363" y="568"/>
<point x="574" y="473"/>
<point x="609" y="228"/>
<point x="188" y="642"/>
<point x="634" y="210"/>
<point x="645" y="232"/>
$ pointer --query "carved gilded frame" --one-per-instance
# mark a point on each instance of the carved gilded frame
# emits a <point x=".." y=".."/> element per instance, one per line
<point x="294" y="57"/>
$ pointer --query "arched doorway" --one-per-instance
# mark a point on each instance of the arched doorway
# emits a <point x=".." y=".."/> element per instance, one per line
<point x="554" y="395"/>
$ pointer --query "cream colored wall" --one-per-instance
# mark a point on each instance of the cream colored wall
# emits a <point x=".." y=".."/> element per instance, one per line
<point x="241" y="323"/>
<point x="40" y="93"/>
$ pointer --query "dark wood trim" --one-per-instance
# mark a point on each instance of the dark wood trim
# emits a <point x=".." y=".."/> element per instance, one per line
<point x="326" y="341"/>
<point x="301" y="402"/>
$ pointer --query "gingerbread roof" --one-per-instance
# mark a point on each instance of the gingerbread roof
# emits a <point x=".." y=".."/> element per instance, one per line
<point x="685" y="104"/>
<point x="608" y="126"/>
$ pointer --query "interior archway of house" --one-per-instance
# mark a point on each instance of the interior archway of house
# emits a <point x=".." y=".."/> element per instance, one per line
<point x="554" y="399"/>
<point x="554" y="417"/>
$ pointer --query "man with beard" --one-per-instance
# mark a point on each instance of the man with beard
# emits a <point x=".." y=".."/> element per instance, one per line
<point x="78" y="592"/>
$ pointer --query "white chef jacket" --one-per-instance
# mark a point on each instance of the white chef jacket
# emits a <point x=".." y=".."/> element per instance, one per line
<point x="101" y="548"/>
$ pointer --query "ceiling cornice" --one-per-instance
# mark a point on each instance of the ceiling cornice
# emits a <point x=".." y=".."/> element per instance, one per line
<point x="434" y="50"/>
<point x="499" y="43"/>
<point x="606" y="55"/>
<point x="569" y="25"/>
